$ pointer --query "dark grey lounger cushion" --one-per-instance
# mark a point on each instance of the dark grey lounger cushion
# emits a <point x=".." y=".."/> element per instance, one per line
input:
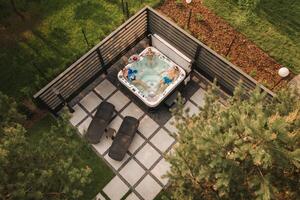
<point x="99" y="123"/>
<point x="123" y="139"/>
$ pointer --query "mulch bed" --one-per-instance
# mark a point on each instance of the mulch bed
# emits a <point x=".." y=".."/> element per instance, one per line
<point x="225" y="40"/>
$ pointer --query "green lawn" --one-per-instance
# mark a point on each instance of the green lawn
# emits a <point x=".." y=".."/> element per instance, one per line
<point x="275" y="28"/>
<point x="101" y="173"/>
<point x="51" y="39"/>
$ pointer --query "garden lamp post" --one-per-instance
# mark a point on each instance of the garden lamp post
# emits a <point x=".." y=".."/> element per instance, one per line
<point x="283" y="72"/>
<point x="190" y="13"/>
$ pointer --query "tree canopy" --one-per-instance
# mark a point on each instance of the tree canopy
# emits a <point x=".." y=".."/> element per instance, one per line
<point x="249" y="149"/>
<point x="45" y="170"/>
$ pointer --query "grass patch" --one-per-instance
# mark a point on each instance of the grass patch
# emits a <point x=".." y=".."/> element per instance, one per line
<point x="275" y="27"/>
<point x="101" y="173"/>
<point x="35" y="51"/>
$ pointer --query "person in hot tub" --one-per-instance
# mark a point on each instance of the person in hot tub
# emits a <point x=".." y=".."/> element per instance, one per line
<point x="130" y="75"/>
<point x="149" y="54"/>
<point x="168" y="77"/>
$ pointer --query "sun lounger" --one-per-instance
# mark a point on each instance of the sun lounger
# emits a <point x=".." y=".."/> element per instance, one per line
<point x="100" y="121"/>
<point x="123" y="139"/>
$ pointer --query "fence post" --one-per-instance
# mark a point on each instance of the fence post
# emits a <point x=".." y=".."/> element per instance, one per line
<point x="198" y="50"/>
<point x="148" y="28"/>
<point x="101" y="60"/>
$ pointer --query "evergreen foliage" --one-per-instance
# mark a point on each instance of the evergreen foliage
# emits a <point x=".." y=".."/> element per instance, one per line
<point x="249" y="149"/>
<point x="44" y="171"/>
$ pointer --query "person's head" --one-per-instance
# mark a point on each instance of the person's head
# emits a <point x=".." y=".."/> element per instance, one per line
<point x="176" y="68"/>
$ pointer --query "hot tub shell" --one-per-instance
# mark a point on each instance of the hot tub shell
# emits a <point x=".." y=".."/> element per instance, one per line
<point x="162" y="96"/>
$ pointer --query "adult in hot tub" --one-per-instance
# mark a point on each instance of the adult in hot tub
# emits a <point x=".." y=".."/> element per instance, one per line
<point x="149" y="54"/>
<point x="130" y="75"/>
<point x="168" y="77"/>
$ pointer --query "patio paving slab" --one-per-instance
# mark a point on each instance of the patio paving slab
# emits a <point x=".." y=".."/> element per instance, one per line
<point x="147" y="126"/>
<point x="100" y="197"/>
<point x="105" y="88"/>
<point x="132" y="172"/>
<point x="115" y="189"/>
<point x="162" y="140"/>
<point x="90" y="101"/>
<point x="103" y="145"/>
<point x="116" y="164"/>
<point x="132" y="110"/>
<point x="193" y="110"/>
<point x="160" y="170"/>
<point x="132" y="196"/>
<point x="147" y="155"/>
<point x="78" y="115"/>
<point x="171" y="126"/>
<point x="119" y="100"/>
<point x="82" y="128"/>
<point x="148" y="188"/>
<point x="136" y="143"/>
<point x="199" y="97"/>
<point x="116" y="123"/>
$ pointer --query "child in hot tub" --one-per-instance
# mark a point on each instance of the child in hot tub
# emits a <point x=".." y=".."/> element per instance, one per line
<point x="170" y="75"/>
<point x="130" y="75"/>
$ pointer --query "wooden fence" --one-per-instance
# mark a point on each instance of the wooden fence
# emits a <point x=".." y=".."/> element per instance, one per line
<point x="147" y="21"/>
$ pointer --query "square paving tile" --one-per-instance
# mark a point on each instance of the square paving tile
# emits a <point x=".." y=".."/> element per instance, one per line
<point x="105" y="88"/>
<point x="162" y="140"/>
<point x="132" y="172"/>
<point x="116" y="123"/>
<point x="119" y="100"/>
<point x="171" y="126"/>
<point x="99" y="197"/>
<point x="116" y="164"/>
<point x="160" y="170"/>
<point x="132" y="196"/>
<point x="78" y="115"/>
<point x="103" y="145"/>
<point x="132" y="110"/>
<point x="82" y="128"/>
<point x="115" y="189"/>
<point x="147" y="126"/>
<point x="136" y="143"/>
<point x="193" y="110"/>
<point x="148" y="188"/>
<point x="90" y="101"/>
<point x="147" y="155"/>
<point x="198" y="97"/>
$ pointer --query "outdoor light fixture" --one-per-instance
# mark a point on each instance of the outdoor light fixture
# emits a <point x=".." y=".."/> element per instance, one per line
<point x="190" y="14"/>
<point x="283" y="72"/>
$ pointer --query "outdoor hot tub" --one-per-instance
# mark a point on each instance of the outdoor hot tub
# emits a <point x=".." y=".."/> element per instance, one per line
<point x="151" y="78"/>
